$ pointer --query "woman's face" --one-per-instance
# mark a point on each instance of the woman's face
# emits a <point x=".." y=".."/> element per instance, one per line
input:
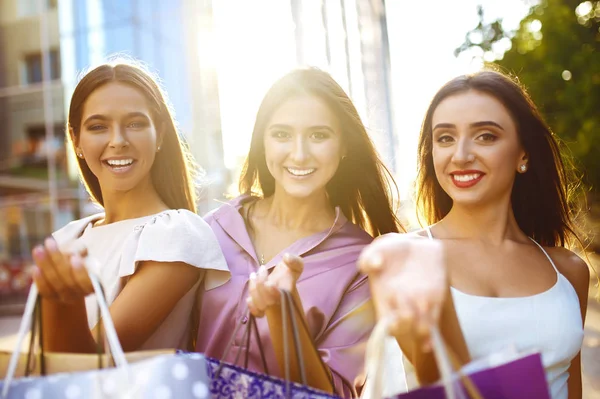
<point x="476" y="148"/>
<point x="303" y="146"/>
<point x="118" y="138"/>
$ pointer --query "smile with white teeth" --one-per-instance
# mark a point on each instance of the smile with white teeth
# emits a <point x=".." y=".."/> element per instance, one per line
<point x="300" y="172"/>
<point x="465" y="178"/>
<point x="119" y="162"/>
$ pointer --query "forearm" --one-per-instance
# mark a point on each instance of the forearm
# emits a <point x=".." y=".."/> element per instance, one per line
<point x="65" y="327"/>
<point x="450" y="330"/>
<point x="317" y="373"/>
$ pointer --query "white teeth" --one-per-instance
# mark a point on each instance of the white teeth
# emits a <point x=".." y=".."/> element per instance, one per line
<point x="119" y="162"/>
<point x="300" y="172"/>
<point x="464" y="178"/>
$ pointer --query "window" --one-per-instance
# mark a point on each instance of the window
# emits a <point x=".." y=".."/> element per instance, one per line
<point x="36" y="146"/>
<point x="33" y="67"/>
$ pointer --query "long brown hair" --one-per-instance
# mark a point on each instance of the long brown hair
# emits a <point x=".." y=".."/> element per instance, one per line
<point x="173" y="170"/>
<point x="542" y="199"/>
<point x="362" y="186"/>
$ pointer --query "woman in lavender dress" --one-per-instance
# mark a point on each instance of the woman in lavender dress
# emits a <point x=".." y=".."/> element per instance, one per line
<point x="315" y="193"/>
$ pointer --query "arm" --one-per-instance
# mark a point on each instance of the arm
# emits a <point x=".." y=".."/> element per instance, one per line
<point x="63" y="283"/>
<point x="410" y="288"/>
<point x="423" y="360"/>
<point x="578" y="274"/>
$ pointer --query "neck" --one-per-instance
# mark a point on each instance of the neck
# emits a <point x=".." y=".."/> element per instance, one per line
<point x="142" y="200"/>
<point x="492" y="224"/>
<point x="294" y="213"/>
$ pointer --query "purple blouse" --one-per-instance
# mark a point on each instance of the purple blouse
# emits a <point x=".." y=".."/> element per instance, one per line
<point x="336" y="298"/>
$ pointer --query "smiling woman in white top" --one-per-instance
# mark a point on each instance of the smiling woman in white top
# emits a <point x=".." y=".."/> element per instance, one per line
<point x="148" y="248"/>
<point x="493" y="186"/>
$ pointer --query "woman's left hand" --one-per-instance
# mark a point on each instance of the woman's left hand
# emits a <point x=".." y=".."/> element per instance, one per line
<point x="265" y="288"/>
<point x="60" y="276"/>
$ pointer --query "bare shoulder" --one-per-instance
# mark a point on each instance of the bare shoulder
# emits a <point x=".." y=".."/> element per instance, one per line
<point x="570" y="265"/>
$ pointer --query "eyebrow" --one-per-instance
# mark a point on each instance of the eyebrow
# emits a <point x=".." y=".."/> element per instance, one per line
<point x="105" y="118"/>
<point x="475" y="124"/>
<point x="318" y="127"/>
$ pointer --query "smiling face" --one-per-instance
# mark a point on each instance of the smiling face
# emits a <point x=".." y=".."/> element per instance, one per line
<point x="476" y="148"/>
<point x="303" y="146"/>
<point x="117" y="137"/>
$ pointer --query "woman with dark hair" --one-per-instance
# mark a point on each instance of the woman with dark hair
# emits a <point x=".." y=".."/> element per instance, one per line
<point x="148" y="240"/>
<point x="314" y="194"/>
<point x="493" y="187"/>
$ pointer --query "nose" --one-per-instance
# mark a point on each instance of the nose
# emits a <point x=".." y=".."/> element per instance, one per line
<point x="117" y="138"/>
<point x="463" y="153"/>
<point x="300" y="149"/>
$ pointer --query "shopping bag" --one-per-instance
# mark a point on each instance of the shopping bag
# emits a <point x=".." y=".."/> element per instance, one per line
<point x="228" y="381"/>
<point x="521" y="377"/>
<point x="167" y="376"/>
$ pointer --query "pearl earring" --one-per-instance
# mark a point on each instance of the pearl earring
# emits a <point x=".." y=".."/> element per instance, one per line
<point x="523" y="168"/>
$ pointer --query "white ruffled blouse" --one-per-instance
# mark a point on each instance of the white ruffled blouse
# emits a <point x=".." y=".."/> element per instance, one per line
<point x="115" y="250"/>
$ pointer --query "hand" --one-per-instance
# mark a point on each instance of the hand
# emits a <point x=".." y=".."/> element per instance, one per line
<point x="264" y="287"/>
<point x="60" y="276"/>
<point x="408" y="282"/>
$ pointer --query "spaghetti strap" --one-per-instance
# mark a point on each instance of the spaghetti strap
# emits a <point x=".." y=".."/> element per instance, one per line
<point x="545" y="253"/>
<point x="429" y="232"/>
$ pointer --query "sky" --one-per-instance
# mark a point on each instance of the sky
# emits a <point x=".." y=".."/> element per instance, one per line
<point x="255" y="45"/>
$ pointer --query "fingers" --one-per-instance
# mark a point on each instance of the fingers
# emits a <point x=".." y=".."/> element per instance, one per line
<point x="59" y="276"/>
<point x="263" y="293"/>
<point x="294" y="263"/>
<point x="58" y="272"/>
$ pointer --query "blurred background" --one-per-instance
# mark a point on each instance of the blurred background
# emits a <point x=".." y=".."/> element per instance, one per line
<point x="216" y="59"/>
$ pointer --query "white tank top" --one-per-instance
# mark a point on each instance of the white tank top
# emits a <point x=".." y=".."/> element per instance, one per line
<point x="549" y="323"/>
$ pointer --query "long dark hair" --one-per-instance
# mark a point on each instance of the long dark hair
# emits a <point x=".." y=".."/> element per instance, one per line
<point x="542" y="198"/>
<point x="173" y="169"/>
<point x="362" y="186"/>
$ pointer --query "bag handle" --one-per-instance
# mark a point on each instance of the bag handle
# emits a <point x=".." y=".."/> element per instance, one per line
<point x="445" y="357"/>
<point x="251" y="325"/>
<point x="26" y="322"/>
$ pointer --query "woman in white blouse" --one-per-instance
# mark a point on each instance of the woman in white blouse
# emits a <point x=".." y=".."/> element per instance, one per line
<point x="148" y="248"/>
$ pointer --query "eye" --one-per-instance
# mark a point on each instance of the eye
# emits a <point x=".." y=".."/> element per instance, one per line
<point x="96" y="127"/>
<point x="280" y="134"/>
<point x="320" y="135"/>
<point x="445" y="138"/>
<point x="487" y="137"/>
<point x="137" y="125"/>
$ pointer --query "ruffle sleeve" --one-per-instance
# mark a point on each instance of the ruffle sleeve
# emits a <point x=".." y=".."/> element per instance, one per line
<point x="176" y="236"/>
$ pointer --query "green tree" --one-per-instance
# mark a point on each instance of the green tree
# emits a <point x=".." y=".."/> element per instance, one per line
<point x="555" y="53"/>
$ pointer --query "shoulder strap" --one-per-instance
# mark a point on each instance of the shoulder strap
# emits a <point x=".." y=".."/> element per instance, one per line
<point x="545" y="253"/>
<point x="428" y="229"/>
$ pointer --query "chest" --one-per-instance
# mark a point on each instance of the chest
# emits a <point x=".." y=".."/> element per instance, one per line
<point x="510" y="271"/>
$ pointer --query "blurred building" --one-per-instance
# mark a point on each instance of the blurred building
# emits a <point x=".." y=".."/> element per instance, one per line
<point x="31" y="137"/>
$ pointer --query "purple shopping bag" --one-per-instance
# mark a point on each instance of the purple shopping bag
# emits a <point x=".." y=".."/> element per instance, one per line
<point x="523" y="378"/>
<point x="517" y="377"/>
